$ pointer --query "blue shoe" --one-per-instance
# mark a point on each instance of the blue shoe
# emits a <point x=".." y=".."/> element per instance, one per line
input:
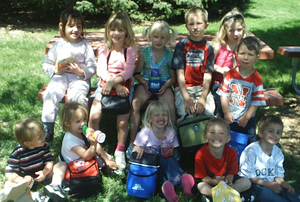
<point x="129" y="151"/>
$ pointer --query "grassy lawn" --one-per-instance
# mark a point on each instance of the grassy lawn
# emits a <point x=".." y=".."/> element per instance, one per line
<point x="22" y="53"/>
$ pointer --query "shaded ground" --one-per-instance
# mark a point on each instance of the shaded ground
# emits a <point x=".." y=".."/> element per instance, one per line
<point x="290" y="115"/>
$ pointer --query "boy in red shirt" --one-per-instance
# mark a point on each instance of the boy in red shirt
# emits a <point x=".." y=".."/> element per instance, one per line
<point x="215" y="161"/>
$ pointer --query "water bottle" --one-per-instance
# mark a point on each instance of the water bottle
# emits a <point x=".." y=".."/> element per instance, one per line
<point x="98" y="135"/>
<point x="154" y="82"/>
<point x="165" y="146"/>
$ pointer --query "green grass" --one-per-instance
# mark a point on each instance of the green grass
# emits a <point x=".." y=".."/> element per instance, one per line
<point x="22" y="54"/>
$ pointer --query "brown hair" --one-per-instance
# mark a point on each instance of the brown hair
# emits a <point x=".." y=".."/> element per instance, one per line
<point x="251" y="42"/>
<point x="27" y="129"/>
<point x="196" y="11"/>
<point x="267" y="120"/>
<point x="217" y="121"/>
<point x="68" y="15"/>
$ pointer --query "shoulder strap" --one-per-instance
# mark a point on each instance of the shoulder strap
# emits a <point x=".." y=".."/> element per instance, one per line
<point x="125" y="55"/>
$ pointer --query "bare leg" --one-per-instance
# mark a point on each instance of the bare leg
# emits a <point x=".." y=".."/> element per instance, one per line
<point x="95" y="114"/>
<point x="168" y="98"/>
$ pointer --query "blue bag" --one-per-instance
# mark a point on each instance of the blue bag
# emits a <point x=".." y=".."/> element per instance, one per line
<point x="238" y="142"/>
<point x="142" y="175"/>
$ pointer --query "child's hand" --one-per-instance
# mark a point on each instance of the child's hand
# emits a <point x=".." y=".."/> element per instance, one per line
<point x="275" y="187"/>
<point x="200" y="105"/>
<point x="61" y="70"/>
<point x="145" y="84"/>
<point x="217" y="180"/>
<point x="228" y="118"/>
<point x="243" y="121"/>
<point x="161" y="90"/>
<point x="171" y="150"/>
<point x="228" y="180"/>
<point x="107" y="87"/>
<point x="111" y="165"/>
<point x="189" y="106"/>
<point x="122" y="91"/>
<point x="140" y="150"/>
<point x="288" y="188"/>
<point x="91" y="139"/>
<point x="75" y="69"/>
<point x="41" y="176"/>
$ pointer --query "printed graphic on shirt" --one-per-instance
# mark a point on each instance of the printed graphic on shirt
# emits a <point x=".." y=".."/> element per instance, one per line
<point x="265" y="172"/>
<point x="238" y="97"/>
<point x="195" y="58"/>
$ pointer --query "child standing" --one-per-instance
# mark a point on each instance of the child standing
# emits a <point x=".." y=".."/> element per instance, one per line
<point x="242" y="90"/>
<point x="157" y="126"/>
<point x="262" y="163"/>
<point x="73" y="118"/>
<point x="232" y="29"/>
<point x="154" y="58"/>
<point x="33" y="161"/>
<point x="70" y="63"/>
<point x="112" y="71"/>
<point x="215" y="161"/>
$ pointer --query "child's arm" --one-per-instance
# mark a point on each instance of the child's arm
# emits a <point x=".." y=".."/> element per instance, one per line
<point x="201" y="103"/>
<point x="245" y="118"/>
<point x="86" y="153"/>
<point x="140" y="150"/>
<point x="169" y="82"/>
<point x="221" y="70"/>
<point x="225" y="106"/>
<point x="212" y="182"/>
<point x="228" y="179"/>
<point x="188" y="102"/>
<point x="110" y="164"/>
<point x="274" y="186"/>
<point x="43" y="173"/>
<point x="284" y="185"/>
<point x="138" y="70"/>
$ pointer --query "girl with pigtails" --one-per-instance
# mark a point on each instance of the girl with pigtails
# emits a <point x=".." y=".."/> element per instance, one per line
<point x="153" y="61"/>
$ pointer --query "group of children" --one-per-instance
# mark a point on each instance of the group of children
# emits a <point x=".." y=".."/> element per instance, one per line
<point x="208" y="79"/>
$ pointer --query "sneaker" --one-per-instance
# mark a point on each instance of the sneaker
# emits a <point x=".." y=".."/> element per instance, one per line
<point x="248" y="196"/>
<point x="120" y="160"/>
<point x="187" y="182"/>
<point x="55" y="192"/>
<point x="169" y="192"/>
<point x="49" y="137"/>
<point x="205" y="198"/>
<point x="129" y="151"/>
<point x="39" y="197"/>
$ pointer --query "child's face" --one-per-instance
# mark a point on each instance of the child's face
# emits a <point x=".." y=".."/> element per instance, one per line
<point x="159" y="119"/>
<point x="246" y="57"/>
<point x="37" y="141"/>
<point x="75" y="126"/>
<point x="73" y="31"/>
<point x="216" y="136"/>
<point x="272" y="134"/>
<point x="159" y="41"/>
<point x="196" y="26"/>
<point x="235" y="32"/>
<point x="117" y="35"/>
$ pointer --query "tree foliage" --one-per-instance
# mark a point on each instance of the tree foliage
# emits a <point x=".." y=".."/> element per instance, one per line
<point x="138" y="10"/>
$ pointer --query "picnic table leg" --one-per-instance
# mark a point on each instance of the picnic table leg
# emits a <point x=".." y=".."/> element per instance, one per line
<point x="295" y="62"/>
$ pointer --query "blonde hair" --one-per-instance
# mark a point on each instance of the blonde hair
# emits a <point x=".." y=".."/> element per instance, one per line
<point x="160" y="28"/>
<point x="71" y="111"/>
<point x="196" y="11"/>
<point x="119" y="20"/>
<point x="221" y="35"/>
<point x="27" y="129"/>
<point x="153" y="107"/>
<point x="217" y="121"/>
<point x="265" y="121"/>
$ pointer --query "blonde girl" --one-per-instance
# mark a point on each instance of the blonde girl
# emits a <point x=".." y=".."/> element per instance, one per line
<point x="157" y="125"/>
<point x="73" y="117"/>
<point x="114" y="67"/>
<point x="232" y="29"/>
<point x="70" y="63"/>
<point x="155" y="57"/>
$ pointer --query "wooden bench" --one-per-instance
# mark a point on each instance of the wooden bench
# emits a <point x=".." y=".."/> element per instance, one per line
<point x="294" y="53"/>
<point x="96" y="39"/>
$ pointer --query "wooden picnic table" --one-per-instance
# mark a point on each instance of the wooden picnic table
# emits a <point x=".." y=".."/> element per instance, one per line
<point x="96" y="39"/>
<point x="294" y="53"/>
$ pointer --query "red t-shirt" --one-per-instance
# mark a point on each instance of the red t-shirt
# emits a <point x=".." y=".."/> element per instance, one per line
<point x="207" y="165"/>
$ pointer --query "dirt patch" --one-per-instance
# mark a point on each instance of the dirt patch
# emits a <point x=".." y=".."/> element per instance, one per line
<point x="290" y="114"/>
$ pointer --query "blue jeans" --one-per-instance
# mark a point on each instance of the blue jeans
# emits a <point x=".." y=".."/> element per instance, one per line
<point x="266" y="194"/>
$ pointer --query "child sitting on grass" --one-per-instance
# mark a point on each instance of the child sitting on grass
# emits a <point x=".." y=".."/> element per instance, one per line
<point x="215" y="161"/>
<point x="33" y="161"/>
<point x="262" y="163"/>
